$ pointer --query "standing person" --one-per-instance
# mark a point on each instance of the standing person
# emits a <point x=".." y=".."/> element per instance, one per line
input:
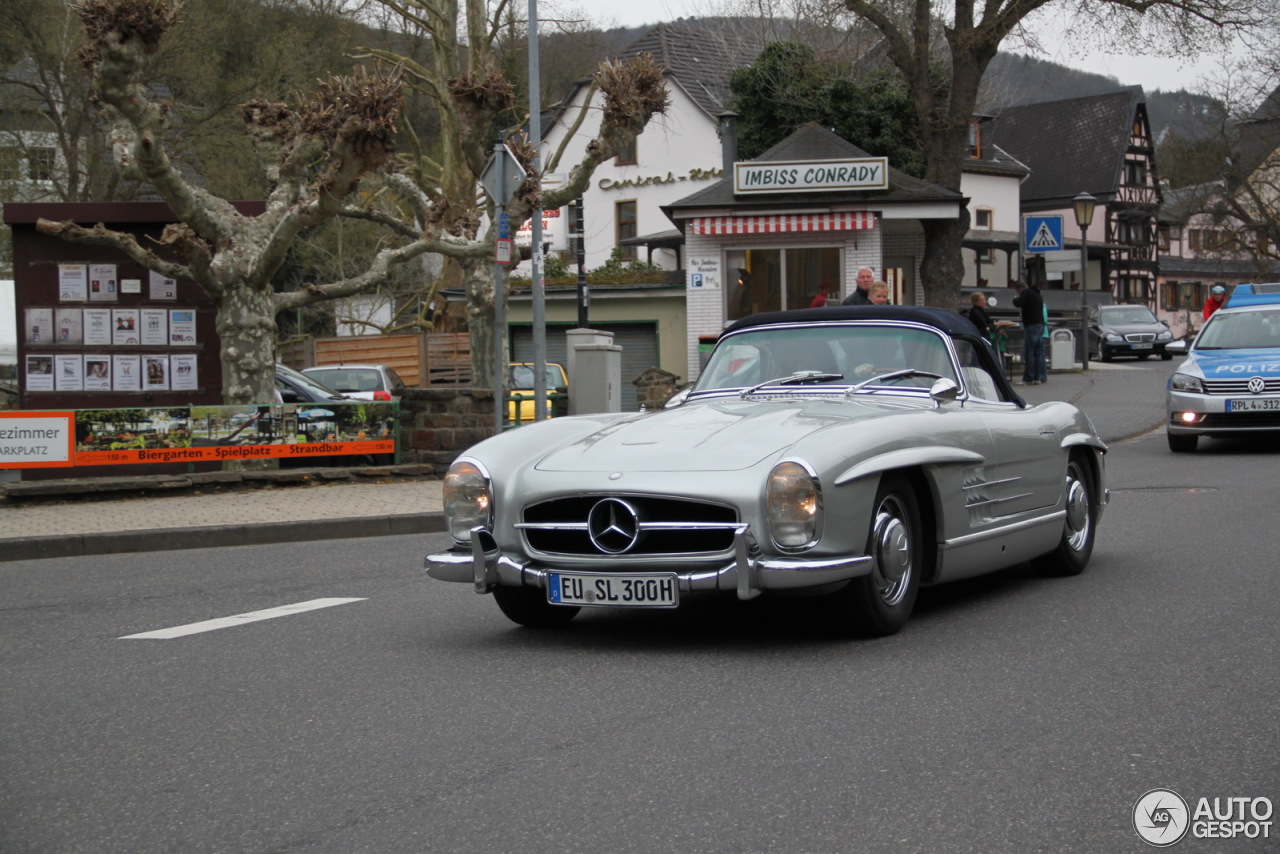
<point x="1216" y="299"/>
<point x="978" y="314"/>
<point x="862" y="287"/>
<point x="1031" y="307"/>
<point x="878" y="294"/>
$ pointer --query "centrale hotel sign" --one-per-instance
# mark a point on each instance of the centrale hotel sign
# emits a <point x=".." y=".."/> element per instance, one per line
<point x="811" y="176"/>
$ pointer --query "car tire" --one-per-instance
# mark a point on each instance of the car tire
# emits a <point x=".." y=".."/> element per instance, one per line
<point x="529" y="607"/>
<point x="880" y="603"/>
<point x="1079" y="529"/>
<point x="1106" y="357"/>
<point x="1182" y="443"/>
<point x="1165" y="356"/>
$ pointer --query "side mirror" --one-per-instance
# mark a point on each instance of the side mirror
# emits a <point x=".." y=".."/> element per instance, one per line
<point x="944" y="390"/>
<point x="288" y="395"/>
<point x="1178" y="348"/>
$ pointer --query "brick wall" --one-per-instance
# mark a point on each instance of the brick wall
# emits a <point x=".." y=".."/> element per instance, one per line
<point x="438" y="424"/>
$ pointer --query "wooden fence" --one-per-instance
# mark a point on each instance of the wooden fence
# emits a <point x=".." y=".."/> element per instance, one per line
<point x="423" y="360"/>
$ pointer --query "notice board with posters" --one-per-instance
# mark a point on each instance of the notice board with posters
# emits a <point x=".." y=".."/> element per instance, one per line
<point x="97" y="330"/>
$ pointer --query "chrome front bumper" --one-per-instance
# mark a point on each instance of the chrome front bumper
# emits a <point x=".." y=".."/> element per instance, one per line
<point x="747" y="573"/>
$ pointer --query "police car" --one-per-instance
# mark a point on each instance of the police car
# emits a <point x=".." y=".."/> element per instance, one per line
<point x="1230" y="383"/>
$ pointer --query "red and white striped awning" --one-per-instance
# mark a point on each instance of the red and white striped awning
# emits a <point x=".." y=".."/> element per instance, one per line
<point x="782" y="223"/>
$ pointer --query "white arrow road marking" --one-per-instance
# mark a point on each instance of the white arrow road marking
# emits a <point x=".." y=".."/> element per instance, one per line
<point x="238" y="619"/>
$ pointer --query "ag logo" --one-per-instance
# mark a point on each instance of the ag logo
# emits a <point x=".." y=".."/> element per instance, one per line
<point x="1161" y="817"/>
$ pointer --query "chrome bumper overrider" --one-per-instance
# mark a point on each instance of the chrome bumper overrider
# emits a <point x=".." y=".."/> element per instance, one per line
<point x="748" y="573"/>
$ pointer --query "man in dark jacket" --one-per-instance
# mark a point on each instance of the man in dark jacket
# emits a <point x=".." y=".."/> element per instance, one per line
<point x="1035" y="369"/>
<point x="861" y="287"/>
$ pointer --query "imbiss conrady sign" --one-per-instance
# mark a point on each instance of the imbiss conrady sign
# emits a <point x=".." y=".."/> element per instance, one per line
<point x="811" y="176"/>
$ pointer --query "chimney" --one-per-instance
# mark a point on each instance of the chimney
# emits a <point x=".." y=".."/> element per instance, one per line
<point x="728" y="141"/>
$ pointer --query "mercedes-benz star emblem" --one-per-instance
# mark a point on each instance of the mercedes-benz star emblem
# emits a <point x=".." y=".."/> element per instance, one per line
<point x="614" y="526"/>
<point x="1257" y="385"/>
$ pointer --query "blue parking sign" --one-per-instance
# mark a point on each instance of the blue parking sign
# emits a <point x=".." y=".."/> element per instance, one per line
<point x="1044" y="233"/>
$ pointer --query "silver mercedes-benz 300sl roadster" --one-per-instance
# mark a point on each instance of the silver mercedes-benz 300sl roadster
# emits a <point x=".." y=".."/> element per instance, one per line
<point x="855" y="453"/>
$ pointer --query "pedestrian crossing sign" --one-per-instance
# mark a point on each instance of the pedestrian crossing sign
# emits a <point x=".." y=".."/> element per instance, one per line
<point x="1043" y="233"/>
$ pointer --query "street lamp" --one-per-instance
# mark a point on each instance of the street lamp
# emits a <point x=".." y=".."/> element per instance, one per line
<point x="1084" y="205"/>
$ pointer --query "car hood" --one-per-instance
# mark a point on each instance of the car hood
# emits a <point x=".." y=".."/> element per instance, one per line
<point x="716" y="435"/>
<point x="1232" y="364"/>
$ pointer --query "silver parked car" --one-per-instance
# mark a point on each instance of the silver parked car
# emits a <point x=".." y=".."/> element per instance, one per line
<point x="362" y="382"/>
<point x="856" y="452"/>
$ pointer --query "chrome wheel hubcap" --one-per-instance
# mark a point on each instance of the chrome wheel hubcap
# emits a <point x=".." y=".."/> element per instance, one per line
<point x="893" y="565"/>
<point x="1078" y="520"/>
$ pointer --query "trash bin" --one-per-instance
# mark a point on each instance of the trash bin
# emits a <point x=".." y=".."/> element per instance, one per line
<point x="706" y="343"/>
<point x="1062" y="350"/>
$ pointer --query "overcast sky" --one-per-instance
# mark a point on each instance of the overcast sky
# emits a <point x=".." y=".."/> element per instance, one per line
<point x="1151" y="73"/>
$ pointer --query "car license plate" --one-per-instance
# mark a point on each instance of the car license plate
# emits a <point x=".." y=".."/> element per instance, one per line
<point x="627" y="591"/>
<point x="1249" y="404"/>
<point x="1141" y="346"/>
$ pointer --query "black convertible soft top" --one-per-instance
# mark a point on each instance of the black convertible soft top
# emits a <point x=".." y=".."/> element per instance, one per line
<point x="951" y="322"/>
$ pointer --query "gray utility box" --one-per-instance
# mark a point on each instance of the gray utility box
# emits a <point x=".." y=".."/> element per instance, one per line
<point x="597" y="382"/>
<point x="1062" y="352"/>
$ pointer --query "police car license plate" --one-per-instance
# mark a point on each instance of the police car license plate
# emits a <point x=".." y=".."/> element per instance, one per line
<point x="1249" y="404"/>
<point x="613" y="590"/>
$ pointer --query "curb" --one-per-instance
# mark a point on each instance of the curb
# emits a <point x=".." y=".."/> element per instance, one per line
<point x="218" y="536"/>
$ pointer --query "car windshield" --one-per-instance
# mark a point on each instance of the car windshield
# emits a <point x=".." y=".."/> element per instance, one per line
<point x="852" y="352"/>
<point x="1248" y="330"/>
<point x="522" y="376"/>
<point x="1128" y="314"/>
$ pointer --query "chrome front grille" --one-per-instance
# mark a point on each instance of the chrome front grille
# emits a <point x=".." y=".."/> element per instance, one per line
<point x="1140" y="337"/>
<point x="664" y="526"/>
<point x="1240" y="387"/>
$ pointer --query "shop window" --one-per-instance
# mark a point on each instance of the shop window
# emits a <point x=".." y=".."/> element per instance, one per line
<point x="777" y="279"/>
<point x="625" y="213"/>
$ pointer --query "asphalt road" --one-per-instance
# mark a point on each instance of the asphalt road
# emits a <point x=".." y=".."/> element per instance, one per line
<point x="1014" y="713"/>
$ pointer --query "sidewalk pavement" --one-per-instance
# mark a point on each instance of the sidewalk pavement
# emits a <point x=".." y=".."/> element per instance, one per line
<point x="1122" y="400"/>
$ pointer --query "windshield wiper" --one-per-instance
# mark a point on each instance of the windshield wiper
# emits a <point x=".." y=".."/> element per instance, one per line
<point x="906" y="373"/>
<point x="794" y="379"/>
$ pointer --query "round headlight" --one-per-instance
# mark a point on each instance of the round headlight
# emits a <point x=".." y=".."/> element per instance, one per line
<point x="1164" y="336"/>
<point x="793" y="502"/>
<point x="1111" y="336"/>
<point x="468" y="501"/>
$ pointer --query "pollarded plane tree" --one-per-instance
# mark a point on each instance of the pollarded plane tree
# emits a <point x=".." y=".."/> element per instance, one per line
<point x="329" y="155"/>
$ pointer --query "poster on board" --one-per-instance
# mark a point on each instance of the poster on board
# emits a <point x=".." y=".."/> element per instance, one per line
<point x="162" y="287"/>
<point x="155" y="326"/>
<point x="97" y="327"/>
<point x="97" y="373"/>
<point x="70" y="325"/>
<point x="124" y="327"/>
<point x="155" y="375"/>
<point x="182" y="326"/>
<point x="69" y="372"/>
<point x="126" y="373"/>
<point x="183" y="375"/>
<point x="73" y="282"/>
<point x="39" y="326"/>
<point x="39" y="373"/>
<point x="102" y="283"/>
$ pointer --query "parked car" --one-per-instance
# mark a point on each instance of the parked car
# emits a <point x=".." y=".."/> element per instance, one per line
<point x="363" y="382"/>
<point x="1127" y="330"/>
<point x="855" y="452"/>
<point x="1229" y="384"/>
<point x="295" y="387"/>
<point x="520" y="377"/>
